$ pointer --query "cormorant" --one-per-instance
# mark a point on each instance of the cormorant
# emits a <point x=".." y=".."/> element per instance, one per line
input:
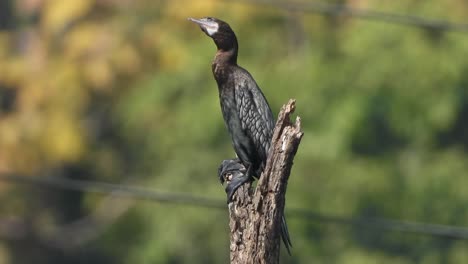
<point x="246" y="112"/>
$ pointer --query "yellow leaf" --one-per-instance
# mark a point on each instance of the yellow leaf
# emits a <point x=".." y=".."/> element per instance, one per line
<point x="63" y="138"/>
<point x="89" y="40"/>
<point x="126" y="59"/>
<point x="59" y="13"/>
<point x="99" y="75"/>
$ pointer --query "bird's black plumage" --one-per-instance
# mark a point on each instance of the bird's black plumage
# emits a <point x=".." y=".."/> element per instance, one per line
<point x="246" y="112"/>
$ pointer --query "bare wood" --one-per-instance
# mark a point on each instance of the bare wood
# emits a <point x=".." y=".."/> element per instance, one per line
<point x="255" y="215"/>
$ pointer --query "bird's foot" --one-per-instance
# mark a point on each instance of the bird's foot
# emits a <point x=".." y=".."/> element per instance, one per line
<point x="229" y="169"/>
<point x="235" y="183"/>
<point x="235" y="174"/>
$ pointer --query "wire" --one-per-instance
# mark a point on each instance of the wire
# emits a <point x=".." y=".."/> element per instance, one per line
<point x="436" y="230"/>
<point x="116" y="190"/>
<point x="134" y="192"/>
<point x="340" y="9"/>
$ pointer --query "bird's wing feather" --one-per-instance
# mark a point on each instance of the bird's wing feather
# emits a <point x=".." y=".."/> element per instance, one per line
<point x="255" y="115"/>
<point x="263" y="108"/>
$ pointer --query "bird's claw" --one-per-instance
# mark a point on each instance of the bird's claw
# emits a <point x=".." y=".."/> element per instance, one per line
<point x="234" y="173"/>
<point x="235" y="183"/>
<point x="221" y="178"/>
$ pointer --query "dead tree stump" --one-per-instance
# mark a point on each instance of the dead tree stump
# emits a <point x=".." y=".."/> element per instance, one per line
<point x="255" y="215"/>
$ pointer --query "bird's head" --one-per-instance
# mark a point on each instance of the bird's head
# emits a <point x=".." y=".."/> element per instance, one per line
<point x="218" y="30"/>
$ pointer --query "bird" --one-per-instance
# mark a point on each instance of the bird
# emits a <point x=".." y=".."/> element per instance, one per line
<point x="246" y="112"/>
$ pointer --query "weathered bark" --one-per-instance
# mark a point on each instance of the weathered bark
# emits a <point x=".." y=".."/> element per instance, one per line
<point x="255" y="216"/>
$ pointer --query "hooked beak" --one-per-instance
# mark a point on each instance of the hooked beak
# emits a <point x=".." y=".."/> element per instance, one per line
<point x="208" y="26"/>
<point x="201" y="22"/>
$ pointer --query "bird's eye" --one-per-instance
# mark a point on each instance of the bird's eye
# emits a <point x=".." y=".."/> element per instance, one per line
<point x="209" y="19"/>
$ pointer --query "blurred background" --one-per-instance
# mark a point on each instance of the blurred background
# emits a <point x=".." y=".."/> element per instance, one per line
<point x="121" y="92"/>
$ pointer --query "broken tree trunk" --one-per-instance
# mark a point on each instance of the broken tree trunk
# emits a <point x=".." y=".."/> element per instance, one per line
<point x="255" y="216"/>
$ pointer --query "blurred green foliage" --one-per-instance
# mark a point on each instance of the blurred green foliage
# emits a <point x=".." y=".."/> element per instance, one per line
<point x="120" y="90"/>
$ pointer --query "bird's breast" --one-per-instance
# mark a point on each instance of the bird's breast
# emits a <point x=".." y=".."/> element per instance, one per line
<point x="221" y="73"/>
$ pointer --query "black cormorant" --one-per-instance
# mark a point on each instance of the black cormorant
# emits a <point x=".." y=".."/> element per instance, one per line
<point x="246" y="112"/>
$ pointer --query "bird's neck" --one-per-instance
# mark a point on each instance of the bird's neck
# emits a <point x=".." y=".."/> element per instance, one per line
<point x="226" y="57"/>
<point x="227" y="49"/>
<point x="223" y="63"/>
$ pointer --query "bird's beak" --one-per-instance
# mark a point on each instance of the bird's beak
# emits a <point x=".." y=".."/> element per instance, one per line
<point x="210" y="27"/>
<point x="197" y="21"/>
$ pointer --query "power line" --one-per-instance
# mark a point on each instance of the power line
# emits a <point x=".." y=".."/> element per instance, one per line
<point x="365" y="14"/>
<point x="141" y="193"/>
<point x="436" y="230"/>
<point x="134" y="192"/>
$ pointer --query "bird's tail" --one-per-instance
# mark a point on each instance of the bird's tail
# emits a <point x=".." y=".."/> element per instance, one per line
<point x="285" y="235"/>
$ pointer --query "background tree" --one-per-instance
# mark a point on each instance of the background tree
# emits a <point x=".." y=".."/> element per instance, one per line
<point x="121" y="91"/>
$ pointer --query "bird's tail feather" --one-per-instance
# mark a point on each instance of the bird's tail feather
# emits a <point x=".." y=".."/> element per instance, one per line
<point x="285" y="235"/>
